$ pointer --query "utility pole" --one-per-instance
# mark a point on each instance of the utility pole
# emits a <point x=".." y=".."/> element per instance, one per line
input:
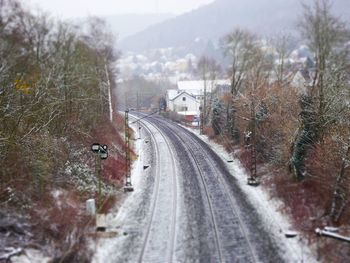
<point x="201" y="120"/>
<point x="138" y="110"/>
<point x="128" y="186"/>
<point x="205" y="102"/>
<point x="98" y="173"/>
<point x="110" y="104"/>
<point x="252" y="180"/>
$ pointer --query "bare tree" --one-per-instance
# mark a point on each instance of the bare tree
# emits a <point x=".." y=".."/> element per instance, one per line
<point x="281" y="45"/>
<point x="240" y="47"/>
<point x="208" y="70"/>
<point x="326" y="36"/>
<point x="101" y="39"/>
<point x="53" y="78"/>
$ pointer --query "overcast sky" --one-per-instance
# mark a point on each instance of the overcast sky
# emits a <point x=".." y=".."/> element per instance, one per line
<point x="79" y="8"/>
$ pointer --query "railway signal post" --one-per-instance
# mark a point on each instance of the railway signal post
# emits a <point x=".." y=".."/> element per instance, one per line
<point x="101" y="153"/>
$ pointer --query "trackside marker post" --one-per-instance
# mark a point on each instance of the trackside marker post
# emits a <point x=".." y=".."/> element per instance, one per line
<point x="128" y="186"/>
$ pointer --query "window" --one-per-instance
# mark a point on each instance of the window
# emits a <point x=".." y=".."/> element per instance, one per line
<point x="183" y="98"/>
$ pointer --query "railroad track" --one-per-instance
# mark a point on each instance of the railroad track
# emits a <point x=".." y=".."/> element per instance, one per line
<point x="231" y="239"/>
<point x="212" y="215"/>
<point x="158" y="227"/>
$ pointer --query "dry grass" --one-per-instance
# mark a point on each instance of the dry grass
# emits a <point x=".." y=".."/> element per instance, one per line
<point x="60" y="225"/>
<point x="33" y="182"/>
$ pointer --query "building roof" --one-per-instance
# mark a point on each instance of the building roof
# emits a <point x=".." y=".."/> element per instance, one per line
<point x="196" y="87"/>
<point x="183" y="93"/>
<point x="306" y="74"/>
<point x="172" y="93"/>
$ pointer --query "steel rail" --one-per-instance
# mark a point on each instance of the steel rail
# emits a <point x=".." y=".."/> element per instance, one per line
<point x="156" y="194"/>
<point x="190" y="136"/>
<point x="228" y="194"/>
<point x="215" y="226"/>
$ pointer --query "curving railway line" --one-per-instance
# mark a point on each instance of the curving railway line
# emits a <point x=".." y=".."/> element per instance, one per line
<point x="231" y="241"/>
<point x="165" y="180"/>
<point x="188" y="207"/>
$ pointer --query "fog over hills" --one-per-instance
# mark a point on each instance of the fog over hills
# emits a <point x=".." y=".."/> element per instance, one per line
<point x="130" y="24"/>
<point x="212" y="21"/>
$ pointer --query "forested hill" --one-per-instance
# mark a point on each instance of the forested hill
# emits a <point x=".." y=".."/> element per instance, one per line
<point x="210" y="22"/>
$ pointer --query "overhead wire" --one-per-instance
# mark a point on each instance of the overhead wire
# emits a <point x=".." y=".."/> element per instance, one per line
<point x="146" y="116"/>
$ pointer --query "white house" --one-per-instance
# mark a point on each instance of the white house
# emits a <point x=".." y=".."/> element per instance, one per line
<point x="184" y="104"/>
<point x="197" y="87"/>
<point x="188" y="96"/>
<point x="170" y="95"/>
<point x="301" y="80"/>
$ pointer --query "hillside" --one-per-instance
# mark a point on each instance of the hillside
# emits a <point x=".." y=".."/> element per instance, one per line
<point x="54" y="105"/>
<point x="210" y="22"/>
<point x="130" y="24"/>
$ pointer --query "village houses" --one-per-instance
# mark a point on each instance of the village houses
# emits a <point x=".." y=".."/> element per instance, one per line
<point x="189" y="95"/>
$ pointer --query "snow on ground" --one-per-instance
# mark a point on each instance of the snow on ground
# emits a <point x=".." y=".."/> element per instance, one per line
<point x="106" y="248"/>
<point x="295" y="249"/>
<point x="30" y="256"/>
